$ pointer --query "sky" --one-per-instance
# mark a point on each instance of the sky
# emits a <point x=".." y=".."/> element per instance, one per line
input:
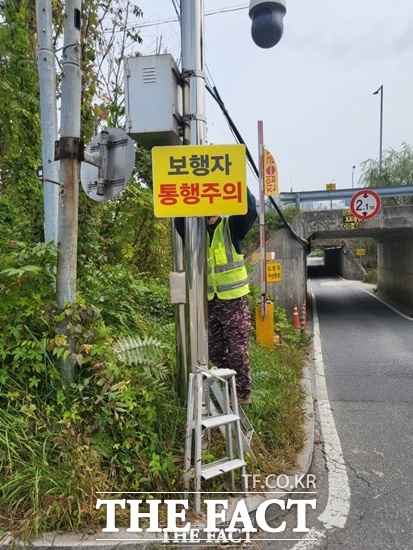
<point x="313" y="90"/>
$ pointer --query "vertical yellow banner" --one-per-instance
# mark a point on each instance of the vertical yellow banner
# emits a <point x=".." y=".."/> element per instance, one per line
<point x="270" y="174"/>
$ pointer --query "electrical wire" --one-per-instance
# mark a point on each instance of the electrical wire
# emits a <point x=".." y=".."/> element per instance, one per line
<point x="177" y="7"/>
<point x="215" y="94"/>
<point x="176" y="20"/>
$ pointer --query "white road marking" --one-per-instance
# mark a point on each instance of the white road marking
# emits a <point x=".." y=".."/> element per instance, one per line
<point x="354" y="283"/>
<point x="338" y="502"/>
<point x="336" y="283"/>
<point x="306" y="544"/>
<point x="385" y="303"/>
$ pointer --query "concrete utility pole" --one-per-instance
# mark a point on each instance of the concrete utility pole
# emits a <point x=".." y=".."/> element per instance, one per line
<point x="69" y="151"/>
<point x="192" y="39"/>
<point x="48" y="111"/>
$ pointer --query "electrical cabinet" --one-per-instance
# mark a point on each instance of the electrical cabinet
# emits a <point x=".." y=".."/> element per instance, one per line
<point x="153" y="100"/>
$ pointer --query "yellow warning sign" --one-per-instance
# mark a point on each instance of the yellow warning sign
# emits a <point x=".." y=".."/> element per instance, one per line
<point x="270" y="174"/>
<point x="274" y="272"/>
<point x="349" y="221"/>
<point x="201" y="180"/>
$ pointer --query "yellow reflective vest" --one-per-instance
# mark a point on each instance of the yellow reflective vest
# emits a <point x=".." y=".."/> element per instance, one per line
<point x="227" y="274"/>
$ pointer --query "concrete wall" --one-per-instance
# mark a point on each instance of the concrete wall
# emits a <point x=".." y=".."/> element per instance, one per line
<point x="395" y="273"/>
<point x="342" y="261"/>
<point x="292" y="289"/>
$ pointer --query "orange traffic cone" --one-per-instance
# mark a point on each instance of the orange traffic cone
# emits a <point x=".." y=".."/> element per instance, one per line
<point x="296" y="319"/>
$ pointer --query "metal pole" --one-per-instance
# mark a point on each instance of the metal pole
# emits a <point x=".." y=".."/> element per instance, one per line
<point x="352" y="177"/>
<point x="381" y="124"/>
<point x="180" y="329"/>
<point x="182" y="356"/>
<point x="263" y="254"/>
<point x="69" y="148"/>
<point x="48" y="113"/>
<point x="192" y="25"/>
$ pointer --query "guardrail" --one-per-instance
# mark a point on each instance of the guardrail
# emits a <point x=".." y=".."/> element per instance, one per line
<point x="305" y="196"/>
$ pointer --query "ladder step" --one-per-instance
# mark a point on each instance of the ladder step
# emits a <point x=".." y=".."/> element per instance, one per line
<point x="224" y="373"/>
<point x="217" y="468"/>
<point x="219" y="420"/>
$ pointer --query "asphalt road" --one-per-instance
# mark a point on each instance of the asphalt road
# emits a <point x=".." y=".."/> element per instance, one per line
<point x="363" y="380"/>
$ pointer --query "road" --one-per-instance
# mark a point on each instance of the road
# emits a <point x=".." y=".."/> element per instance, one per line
<point x="363" y="381"/>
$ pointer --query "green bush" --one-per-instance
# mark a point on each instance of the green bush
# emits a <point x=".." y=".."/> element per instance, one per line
<point x="27" y="290"/>
<point x="128" y="301"/>
<point x="371" y="276"/>
<point x="116" y="425"/>
<point x="120" y="423"/>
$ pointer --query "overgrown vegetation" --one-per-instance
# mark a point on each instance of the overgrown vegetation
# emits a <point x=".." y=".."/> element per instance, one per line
<point x="120" y="424"/>
<point x="371" y="276"/>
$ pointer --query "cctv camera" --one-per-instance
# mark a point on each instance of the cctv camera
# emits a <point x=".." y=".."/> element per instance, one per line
<point x="267" y="21"/>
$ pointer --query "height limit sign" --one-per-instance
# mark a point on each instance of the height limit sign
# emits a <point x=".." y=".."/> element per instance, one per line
<point x="365" y="204"/>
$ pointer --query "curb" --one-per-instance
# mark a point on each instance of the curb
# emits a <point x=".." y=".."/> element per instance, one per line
<point x="73" y="541"/>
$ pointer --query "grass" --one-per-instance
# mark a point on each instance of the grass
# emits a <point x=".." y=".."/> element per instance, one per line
<point x="52" y="464"/>
<point x="49" y="477"/>
<point x="277" y="406"/>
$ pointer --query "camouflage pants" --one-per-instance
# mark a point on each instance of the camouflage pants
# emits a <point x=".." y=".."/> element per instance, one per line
<point x="229" y="325"/>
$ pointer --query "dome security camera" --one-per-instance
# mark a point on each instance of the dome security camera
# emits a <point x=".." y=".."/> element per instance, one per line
<point x="267" y="21"/>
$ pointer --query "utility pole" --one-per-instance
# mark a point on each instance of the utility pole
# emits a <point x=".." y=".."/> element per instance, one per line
<point x="381" y="124"/>
<point x="266" y="32"/>
<point x="69" y="151"/>
<point x="48" y="112"/>
<point x="192" y="39"/>
<point x="263" y="253"/>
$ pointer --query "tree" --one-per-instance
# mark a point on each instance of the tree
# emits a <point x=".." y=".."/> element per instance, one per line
<point x="123" y="230"/>
<point x="20" y="149"/>
<point x="396" y="170"/>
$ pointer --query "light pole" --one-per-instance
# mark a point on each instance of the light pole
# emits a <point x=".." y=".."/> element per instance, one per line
<point x="381" y="122"/>
<point x="195" y="253"/>
<point x="48" y="113"/>
<point x="352" y="177"/>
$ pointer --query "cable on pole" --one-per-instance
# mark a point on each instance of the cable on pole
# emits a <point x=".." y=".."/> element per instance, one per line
<point x="215" y="94"/>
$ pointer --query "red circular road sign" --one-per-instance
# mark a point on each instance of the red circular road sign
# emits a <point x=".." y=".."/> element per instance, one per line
<point x="365" y="204"/>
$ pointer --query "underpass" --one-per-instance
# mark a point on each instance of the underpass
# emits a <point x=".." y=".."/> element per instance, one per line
<point x="392" y="229"/>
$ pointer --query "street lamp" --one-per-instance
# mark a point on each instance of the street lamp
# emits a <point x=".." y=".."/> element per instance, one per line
<point x="352" y="177"/>
<point x="381" y="122"/>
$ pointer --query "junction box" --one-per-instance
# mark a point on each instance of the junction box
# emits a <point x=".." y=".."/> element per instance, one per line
<point x="153" y="100"/>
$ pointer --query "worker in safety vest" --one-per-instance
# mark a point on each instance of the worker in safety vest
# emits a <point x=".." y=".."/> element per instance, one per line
<point x="229" y="318"/>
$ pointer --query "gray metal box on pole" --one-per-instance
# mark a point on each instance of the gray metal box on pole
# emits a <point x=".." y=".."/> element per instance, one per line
<point x="153" y="100"/>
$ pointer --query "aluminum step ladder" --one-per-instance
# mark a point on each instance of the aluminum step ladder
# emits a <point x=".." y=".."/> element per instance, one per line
<point x="247" y="430"/>
<point x="201" y="418"/>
